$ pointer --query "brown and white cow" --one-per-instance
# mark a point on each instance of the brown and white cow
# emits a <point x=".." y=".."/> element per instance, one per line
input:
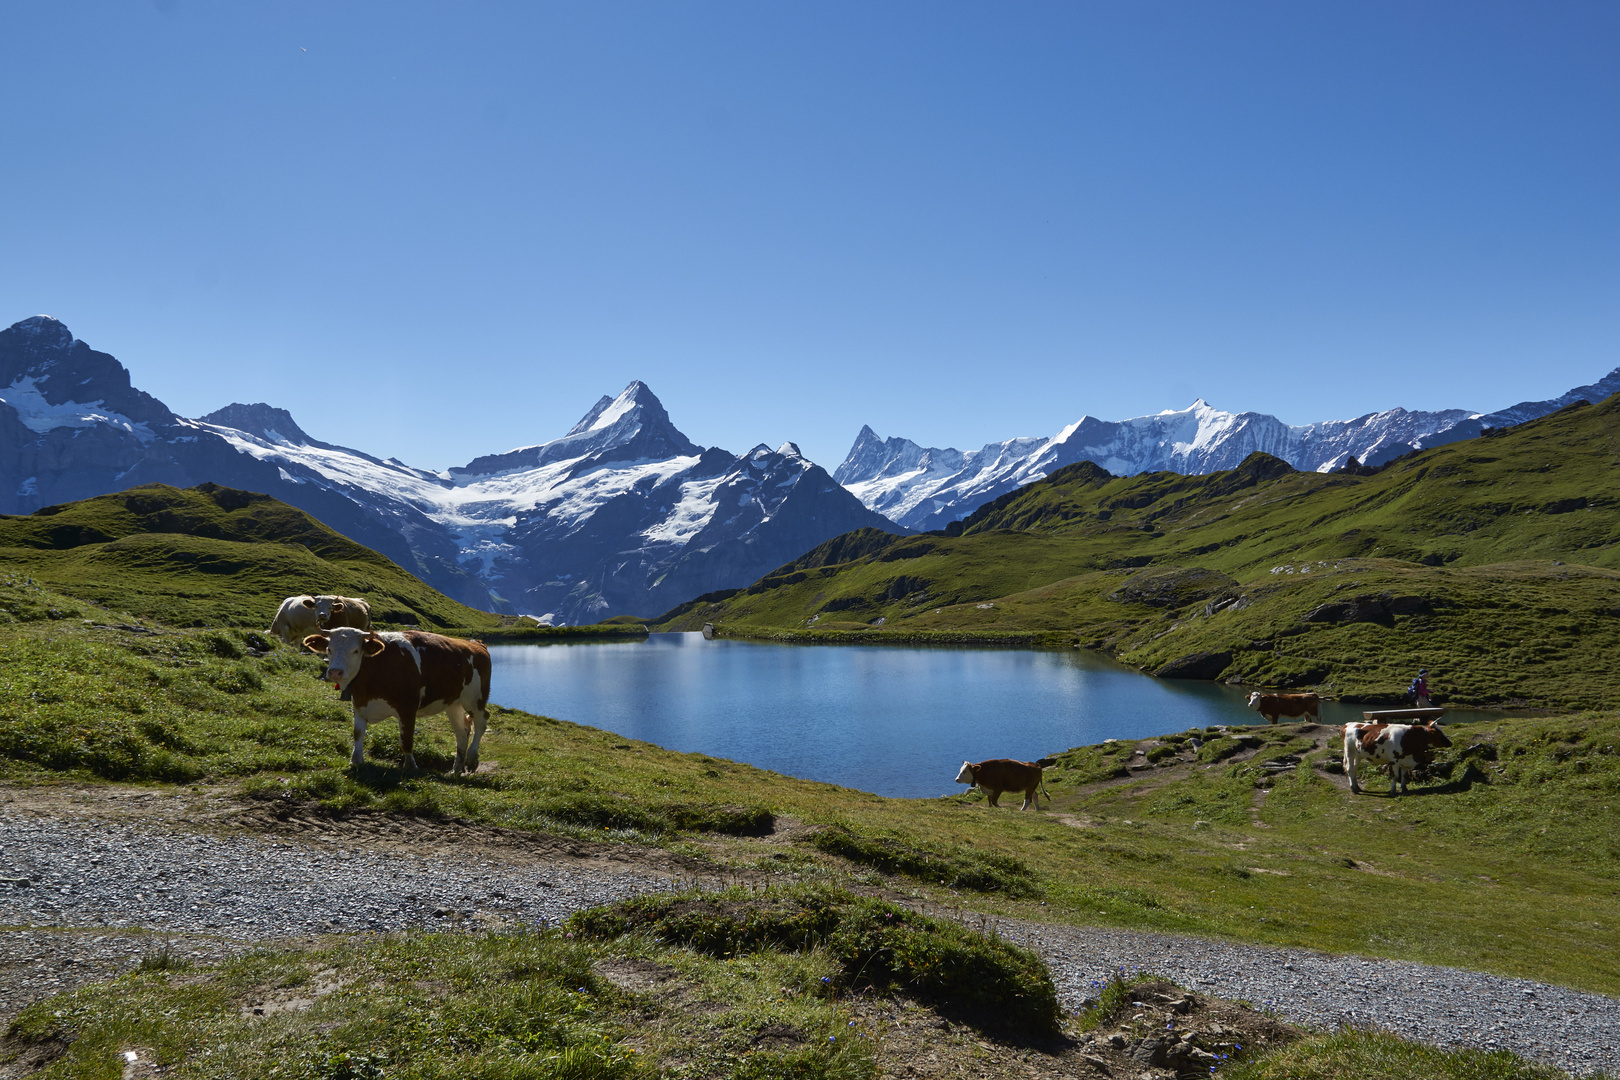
<point x="335" y="611"/>
<point x="409" y="675"/>
<point x="1402" y="748"/>
<point x="1272" y="706"/>
<point x="1004" y="774"/>
<point x="294" y="619"/>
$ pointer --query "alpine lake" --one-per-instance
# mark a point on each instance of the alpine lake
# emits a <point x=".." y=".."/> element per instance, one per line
<point x="890" y="719"/>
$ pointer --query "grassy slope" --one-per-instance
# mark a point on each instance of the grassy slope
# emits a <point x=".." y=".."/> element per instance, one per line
<point x="182" y="705"/>
<point x="1477" y="533"/>
<point x="1518" y="853"/>
<point x="209" y="556"/>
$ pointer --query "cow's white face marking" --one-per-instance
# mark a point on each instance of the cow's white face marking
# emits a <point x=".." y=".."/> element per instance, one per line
<point x="1254" y="700"/>
<point x="966" y="775"/>
<point x="345" y="651"/>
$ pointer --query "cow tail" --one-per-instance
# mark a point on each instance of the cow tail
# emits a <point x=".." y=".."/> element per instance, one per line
<point x="1043" y="791"/>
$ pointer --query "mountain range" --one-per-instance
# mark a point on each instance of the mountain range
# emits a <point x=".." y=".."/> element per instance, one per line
<point x="925" y="488"/>
<point x="622" y="514"/>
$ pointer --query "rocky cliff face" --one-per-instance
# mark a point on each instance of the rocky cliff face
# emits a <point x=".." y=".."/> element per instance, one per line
<point x="926" y="487"/>
<point x="621" y="515"/>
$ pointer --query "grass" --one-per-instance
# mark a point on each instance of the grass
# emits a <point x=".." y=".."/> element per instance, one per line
<point x="1343" y="583"/>
<point x="789" y="983"/>
<point x="983" y="981"/>
<point x="1360" y="1053"/>
<point x="445" y="1005"/>
<point x="211" y="556"/>
<point x="1516" y="846"/>
<point x="1512" y="840"/>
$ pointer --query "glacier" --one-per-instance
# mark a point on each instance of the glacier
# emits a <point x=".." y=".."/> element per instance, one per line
<point x="622" y="514"/>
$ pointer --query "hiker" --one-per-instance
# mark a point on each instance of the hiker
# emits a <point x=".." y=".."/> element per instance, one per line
<point x="1419" y="690"/>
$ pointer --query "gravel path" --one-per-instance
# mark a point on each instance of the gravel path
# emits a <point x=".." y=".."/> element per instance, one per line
<point x="83" y="892"/>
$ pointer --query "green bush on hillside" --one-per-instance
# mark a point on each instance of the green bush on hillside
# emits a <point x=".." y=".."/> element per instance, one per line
<point x="982" y="980"/>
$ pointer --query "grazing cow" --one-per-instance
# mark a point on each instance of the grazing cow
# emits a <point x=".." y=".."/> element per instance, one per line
<point x="1402" y="748"/>
<point x="1005" y="774"/>
<point x="409" y="675"/>
<point x="334" y="611"/>
<point x="294" y="619"/>
<point x="1272" y="706"/>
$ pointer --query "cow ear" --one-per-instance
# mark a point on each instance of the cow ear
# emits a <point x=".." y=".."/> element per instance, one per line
<point x="308" y="602"/>
<point x="374" y="645"/>
<point x="317" y="642"/>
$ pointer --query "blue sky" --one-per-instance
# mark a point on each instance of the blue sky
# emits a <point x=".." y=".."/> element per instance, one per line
<point x="437" y="231"/>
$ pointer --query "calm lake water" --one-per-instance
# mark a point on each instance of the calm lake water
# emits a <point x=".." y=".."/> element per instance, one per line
<point x="882" y="718"/>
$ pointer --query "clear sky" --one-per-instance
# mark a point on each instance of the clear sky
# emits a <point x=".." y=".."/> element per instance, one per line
<point x="435" y="231"/>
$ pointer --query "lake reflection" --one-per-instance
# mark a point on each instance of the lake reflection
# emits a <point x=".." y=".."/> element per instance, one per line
<point x="888" y="719"/>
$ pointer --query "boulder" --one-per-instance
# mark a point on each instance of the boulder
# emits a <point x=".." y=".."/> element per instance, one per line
<point x="1202" y="665"/>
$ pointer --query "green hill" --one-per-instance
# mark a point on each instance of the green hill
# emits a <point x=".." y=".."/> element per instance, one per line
<point x="211" y="556"/>
<point x="1492" y="562"/>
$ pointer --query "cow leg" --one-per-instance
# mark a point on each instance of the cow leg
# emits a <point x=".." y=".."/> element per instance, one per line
<point x="1029" y="797"/>
<point x="991" y="795"/>
<point x="480" y="718"/>
<point x="358" y="758"/>
<point x="407" y="740"/>
<point x="458" y="724"/>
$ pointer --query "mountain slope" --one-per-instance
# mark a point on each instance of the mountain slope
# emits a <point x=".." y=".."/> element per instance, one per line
<point x="211" y="556"/>
<point x="622" y="514"/>
<point x="924" y="487"/>
<point x="1454" y="557"/>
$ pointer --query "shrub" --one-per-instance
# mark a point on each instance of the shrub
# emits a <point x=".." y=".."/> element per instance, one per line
<point x="983" y="981"/>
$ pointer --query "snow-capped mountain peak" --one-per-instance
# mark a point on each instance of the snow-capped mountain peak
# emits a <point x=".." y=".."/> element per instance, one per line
<point x="927" y="487"/>
<point x="266" y="421"/>
<point x="43" y="332"/>
<point x="632" y="426"/>
<point x="51" y="381"/>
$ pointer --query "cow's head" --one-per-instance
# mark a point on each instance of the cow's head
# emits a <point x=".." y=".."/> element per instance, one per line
<point x="1436" y="737"/>
<point x="346" y="649"/>
<point x="1254" y="700"/>
<point x="327" y="608"/>
<point x="966" y="775"/>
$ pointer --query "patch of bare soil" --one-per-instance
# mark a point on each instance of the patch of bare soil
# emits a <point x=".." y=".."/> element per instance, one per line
<point x="294" y="999"/>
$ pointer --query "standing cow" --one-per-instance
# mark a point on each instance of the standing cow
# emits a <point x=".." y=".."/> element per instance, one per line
<point x="408" y="675"/>
<point x="1272" y="706"/>
<point x="1004" y="774"/>
<point x="294" y="619"/>
<point x="335" y="611"/>
<point x="1402" y="748"/>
